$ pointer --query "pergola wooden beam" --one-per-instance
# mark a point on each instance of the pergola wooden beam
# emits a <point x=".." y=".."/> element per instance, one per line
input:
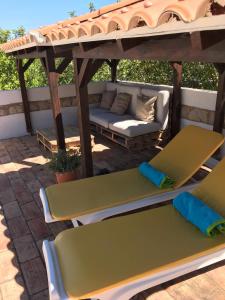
<point x="53" y="76"/>
<point x="177" y="47"/>
<point x="220" y="101"/>
<point x="26" y="106"/>
<point x="176" y="100"/>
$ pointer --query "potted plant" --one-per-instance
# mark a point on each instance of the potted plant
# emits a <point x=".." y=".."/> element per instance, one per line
<point x="65" y="165"/>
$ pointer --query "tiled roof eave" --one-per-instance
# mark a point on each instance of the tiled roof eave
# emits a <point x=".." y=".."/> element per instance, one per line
<point x="156" y="14"/>
<point x="212" y="23"/>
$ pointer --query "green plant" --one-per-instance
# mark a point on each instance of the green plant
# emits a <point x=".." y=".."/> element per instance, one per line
<point x="65" y="161"/>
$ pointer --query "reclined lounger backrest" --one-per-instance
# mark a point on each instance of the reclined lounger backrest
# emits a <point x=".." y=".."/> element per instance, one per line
<point x="190" y="148"/>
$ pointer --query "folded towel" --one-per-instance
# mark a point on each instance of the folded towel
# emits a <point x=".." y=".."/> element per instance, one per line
<point x="155" y="176"/>
<point x="199" y="214"/>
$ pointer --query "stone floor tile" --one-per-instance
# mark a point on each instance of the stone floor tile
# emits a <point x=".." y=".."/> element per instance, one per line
<point x="7" y="196"/>
<point x="27" y="175"/>
<point x="44" y="295"/>
<point x="8" y="266"/>
<point x="24" y="197"/>
<point x="11" y="210"/>
<point x="39" y="228"/>
<point x="14" y="289"/>
<point x="18" y="227"/>
<point x="34" y="186"/>
<point x="31" y="210"/>
<point x="25" y="248"/>
<point x="18" y="185"/>
<point x="37" y="199"/>
<point x="4" y="182"/>
<point x="35" y="276"/>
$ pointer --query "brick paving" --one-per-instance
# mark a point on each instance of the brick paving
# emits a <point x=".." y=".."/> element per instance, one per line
<point x="23" y="171"/>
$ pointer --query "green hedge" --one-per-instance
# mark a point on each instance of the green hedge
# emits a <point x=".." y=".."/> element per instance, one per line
<point x="195" y="75"/>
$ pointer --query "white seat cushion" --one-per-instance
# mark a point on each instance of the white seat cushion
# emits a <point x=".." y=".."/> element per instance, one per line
<point x="131" y="127"/>
<point x="103" y="117"/>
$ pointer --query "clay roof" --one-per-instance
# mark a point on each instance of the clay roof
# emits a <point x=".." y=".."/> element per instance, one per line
<point x="122" y="17"/>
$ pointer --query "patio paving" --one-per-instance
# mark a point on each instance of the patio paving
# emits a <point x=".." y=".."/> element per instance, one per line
<point x="23" y="171"/>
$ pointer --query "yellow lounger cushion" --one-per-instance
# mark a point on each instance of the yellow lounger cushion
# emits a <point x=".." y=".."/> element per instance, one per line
<point x="100" y="256"/>
<point x="180" y="159"/>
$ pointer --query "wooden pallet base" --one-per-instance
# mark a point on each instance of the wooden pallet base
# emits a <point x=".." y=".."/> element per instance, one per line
<point x="131" y="143"/>
<point x="47" y="137"/>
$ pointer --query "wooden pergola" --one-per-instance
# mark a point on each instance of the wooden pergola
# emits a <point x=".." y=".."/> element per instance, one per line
<point x="199" y="41"/>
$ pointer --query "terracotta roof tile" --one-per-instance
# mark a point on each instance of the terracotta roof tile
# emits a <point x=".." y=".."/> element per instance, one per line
<point x="124" y="16"/>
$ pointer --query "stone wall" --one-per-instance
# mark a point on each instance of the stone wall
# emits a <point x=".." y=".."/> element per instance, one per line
<point x="17" y="108"/>
<point x="198" y="107"/>
<point x="198" y="115"/>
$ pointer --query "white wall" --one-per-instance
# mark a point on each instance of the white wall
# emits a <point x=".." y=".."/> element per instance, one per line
<point x="14" y="125"/>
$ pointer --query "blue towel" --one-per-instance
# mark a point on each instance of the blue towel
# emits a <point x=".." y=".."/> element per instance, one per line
<point x="199" y="214"/>
<point x="155" y="176"/>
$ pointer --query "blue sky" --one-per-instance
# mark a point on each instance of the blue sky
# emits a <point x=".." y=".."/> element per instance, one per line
<point x="34" y="13"/>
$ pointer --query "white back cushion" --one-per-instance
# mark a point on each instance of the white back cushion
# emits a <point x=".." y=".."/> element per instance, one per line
<point x="162" y="111"/>
<point x="134" y="92"/>
<point x="162" y="114"/>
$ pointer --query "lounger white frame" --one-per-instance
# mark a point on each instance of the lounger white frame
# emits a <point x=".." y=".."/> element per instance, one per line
<point x="124" y="291"/>
<point x="109" y="212"/>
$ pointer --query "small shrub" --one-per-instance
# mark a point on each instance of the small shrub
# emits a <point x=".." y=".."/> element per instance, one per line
<point x="65" y="161"/>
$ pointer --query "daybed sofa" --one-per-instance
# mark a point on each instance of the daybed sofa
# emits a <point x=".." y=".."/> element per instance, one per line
<point x="126" y="129"/>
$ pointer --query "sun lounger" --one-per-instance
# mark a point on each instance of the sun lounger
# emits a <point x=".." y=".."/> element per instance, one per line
<point x="121" y="257"/>
<point x="94" y="199"/>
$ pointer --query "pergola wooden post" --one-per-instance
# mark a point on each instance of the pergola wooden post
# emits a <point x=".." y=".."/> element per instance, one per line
<point x="114" y="64"/>
<point x="220" y="101"/>
<point x="53" y="77"/>
<point x="175" y="103"/>
<point x="26" y="106"/>
<point x="84" y="70"/>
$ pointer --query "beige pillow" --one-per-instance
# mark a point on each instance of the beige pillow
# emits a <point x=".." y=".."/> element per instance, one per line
<point x="146" y="108"/>
<point x="121" y="103"/>
<point x="107" y="99"/>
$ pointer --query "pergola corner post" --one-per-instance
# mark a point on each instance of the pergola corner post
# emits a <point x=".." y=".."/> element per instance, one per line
<point x="220" y="101"/>
<point x="53" y="77"/>
<point x="176" y="100"/>
<point x="26" y="106"/>
<point x="84" y="70"/>
<point x="80" y="69"/>
<point x="114" y="64"/>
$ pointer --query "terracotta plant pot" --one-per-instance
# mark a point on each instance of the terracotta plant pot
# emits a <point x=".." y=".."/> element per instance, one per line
<point x="66" y="176"/>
